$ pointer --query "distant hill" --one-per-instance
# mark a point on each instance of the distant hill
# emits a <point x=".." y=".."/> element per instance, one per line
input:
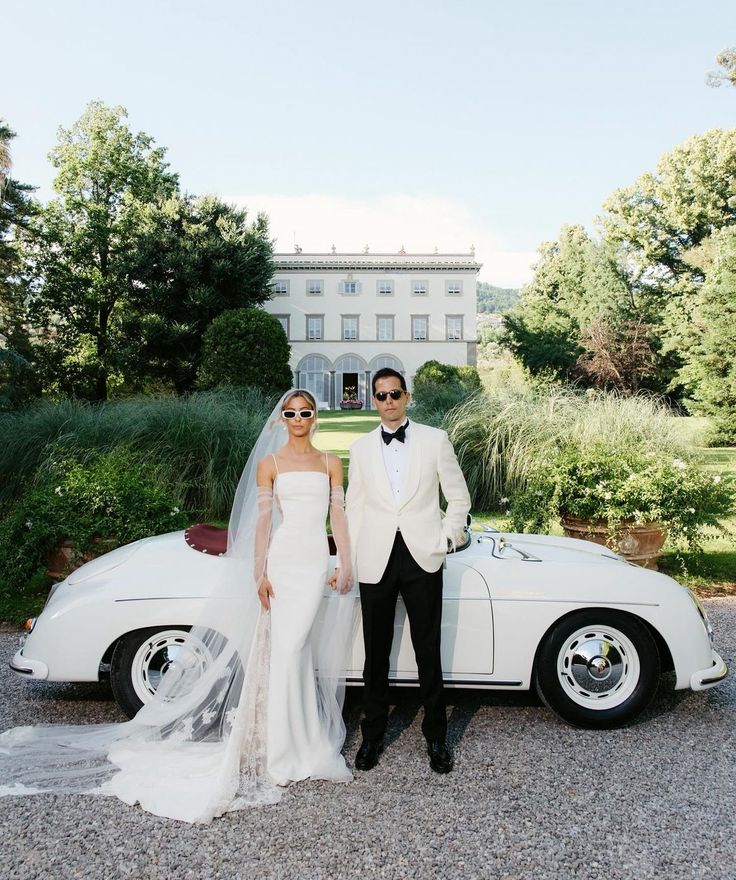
<point x="496" y="299"/>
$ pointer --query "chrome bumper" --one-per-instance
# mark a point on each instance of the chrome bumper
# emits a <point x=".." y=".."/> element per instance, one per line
<point x="708" y="678"/>
<point x="27" y="668"/>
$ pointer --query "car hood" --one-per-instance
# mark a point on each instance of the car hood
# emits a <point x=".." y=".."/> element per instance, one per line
<point x="545" y="548"/>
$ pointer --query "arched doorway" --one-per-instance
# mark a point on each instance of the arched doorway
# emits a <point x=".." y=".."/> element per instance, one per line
<point x="350" y="378"/>
<point x="313" y="374"/>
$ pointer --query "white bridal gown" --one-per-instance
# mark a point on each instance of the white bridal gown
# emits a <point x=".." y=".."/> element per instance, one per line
<point x="297" y="746"/>
<point x="196" y="781"/>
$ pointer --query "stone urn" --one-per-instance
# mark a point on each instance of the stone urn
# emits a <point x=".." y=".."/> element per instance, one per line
<point x="640" y="543"/>
<point x="67" y="557"/>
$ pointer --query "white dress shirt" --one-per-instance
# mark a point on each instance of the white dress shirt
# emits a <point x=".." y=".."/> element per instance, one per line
<point x="395" y="456"/>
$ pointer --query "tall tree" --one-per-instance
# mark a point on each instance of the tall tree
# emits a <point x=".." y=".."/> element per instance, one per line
<point x="711" y="368"/>
<point x="86" y="244"/>
<point x="198" y="258"/>
<point x="660" y="221"/>
<point x="577" y="281"/>
<point x="17" y="207"/>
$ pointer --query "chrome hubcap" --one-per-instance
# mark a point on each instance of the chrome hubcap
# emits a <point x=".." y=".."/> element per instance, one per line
<point x="598" y="667"/>
<point x="155" y="656"/>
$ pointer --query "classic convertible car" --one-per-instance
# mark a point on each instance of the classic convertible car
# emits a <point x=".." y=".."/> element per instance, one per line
<point x="588" y="630"/>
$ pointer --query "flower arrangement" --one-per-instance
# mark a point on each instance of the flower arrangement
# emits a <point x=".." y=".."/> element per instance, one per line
<point x="350" y="399"/>
<point x="621" y="486"/>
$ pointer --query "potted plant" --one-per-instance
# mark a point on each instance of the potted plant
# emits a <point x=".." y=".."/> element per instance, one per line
<point x="626" y="498"/>
<point x="350" y="399"/>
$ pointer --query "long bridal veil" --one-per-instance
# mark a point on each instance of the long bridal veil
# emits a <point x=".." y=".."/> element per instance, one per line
<point x="197" y="749"/>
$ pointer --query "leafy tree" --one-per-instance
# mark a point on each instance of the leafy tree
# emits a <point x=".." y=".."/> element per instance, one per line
<point x="726" y="60"/>
<point x="197" y="259"/>
<point x="664" y="214"/>
<point x="17" y="380"/>
<point x="85" y="246"/>
<point x="711" y="370"/>
<point x="496" y="299"/>
<point x="660" y="222"/>
<point x="615" y="357"/>
<point x="246" y="347"/>
<point x="577" y="281"/>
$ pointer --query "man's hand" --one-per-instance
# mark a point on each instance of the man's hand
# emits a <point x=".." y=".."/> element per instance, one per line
<point x="266" y="593"/>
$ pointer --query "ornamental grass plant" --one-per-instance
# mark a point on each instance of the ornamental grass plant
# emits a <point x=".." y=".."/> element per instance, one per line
<point x="202" y="441"/>
<point x="502" y="438"/>
<point x="543" y="453"/>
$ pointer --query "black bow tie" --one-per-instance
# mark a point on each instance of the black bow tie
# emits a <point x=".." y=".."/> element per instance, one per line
<point x="399" y="435"/>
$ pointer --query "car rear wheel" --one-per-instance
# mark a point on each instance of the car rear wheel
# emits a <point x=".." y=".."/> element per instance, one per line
<point x="142" y="657"/>
<point x="598" y="669"/>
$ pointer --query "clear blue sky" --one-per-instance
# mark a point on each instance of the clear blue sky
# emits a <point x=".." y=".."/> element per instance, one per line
<point x="518" y="116"/>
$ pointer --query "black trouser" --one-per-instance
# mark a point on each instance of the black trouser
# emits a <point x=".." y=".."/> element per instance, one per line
<point x="422" y="595"/>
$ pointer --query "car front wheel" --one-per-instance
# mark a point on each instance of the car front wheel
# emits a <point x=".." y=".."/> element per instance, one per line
<point x="142" y="657"/>
<point x="598" y="669"/>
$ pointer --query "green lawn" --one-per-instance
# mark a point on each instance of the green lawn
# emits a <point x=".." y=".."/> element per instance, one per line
<point x="337" y="430"/>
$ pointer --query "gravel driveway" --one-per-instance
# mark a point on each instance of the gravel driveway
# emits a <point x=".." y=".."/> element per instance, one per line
<point x="530" y="798"/>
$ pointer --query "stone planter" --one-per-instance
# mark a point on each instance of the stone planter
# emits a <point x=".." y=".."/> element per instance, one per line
<point x="351" y="404"/>
<point x="640" y="543"/>
<point x="67" y="557"/>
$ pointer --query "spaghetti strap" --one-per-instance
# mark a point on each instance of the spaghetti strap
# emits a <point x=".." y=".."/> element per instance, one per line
<point x="275" y="462"/>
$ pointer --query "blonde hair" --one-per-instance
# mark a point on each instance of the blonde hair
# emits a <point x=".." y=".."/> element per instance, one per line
<point x="300" y="392"/>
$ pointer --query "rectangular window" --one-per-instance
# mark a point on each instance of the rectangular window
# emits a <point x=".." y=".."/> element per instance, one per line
<point x="419" y="327"/>
<point x="350" y="288"/>
<point x="385" y="328"/>
<point x="349" y="326"/>
<point x="419" y="288"/>
<point x="284" y="321"/>
<point x="453" y="288"/>
<point x="314" y="288"/>
<point x="385" y="288"/>
<point x="280" y="288"/>
<point x="315" y="326"/>
<point x="454" y="326"/>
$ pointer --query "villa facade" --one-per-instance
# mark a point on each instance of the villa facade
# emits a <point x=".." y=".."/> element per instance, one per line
<point x="348" y="315"/>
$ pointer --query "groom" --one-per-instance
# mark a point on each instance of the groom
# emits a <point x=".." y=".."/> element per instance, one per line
<point x="400" y="541"/>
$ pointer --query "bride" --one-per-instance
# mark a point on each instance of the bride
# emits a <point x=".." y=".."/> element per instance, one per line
<point x="258" y="704"/>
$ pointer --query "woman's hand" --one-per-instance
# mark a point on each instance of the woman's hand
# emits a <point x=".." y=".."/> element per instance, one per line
<point x="341" y="583"/>
<point x="266" y="593"/>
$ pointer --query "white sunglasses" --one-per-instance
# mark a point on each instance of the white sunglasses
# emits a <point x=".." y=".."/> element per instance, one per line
<point x="293" y="413"/>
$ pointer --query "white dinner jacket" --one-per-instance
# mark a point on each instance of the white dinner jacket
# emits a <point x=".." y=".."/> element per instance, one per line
<point x="372" y="511"/>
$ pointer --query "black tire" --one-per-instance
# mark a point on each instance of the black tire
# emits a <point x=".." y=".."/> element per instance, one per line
<point x="132" y="678"/>
<point x="597" y="668"/>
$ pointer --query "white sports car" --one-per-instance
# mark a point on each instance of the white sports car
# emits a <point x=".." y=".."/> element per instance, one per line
<point x="590" y="631"/>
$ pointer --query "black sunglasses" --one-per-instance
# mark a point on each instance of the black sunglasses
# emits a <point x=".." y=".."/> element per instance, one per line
<point x="302" y="413"/>
<point x="394" y="394"/>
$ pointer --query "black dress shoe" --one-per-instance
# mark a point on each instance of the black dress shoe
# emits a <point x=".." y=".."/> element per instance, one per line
<point x="440" y="757"/>
<point x="368" y="753"/>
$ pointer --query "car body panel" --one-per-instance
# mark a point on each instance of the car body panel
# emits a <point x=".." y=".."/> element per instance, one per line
<point x="502" y="593"/>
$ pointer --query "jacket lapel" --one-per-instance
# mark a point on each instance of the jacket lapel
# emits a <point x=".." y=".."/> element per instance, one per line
<point x="377" y="466"/>
<point x="414" y="464"/>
